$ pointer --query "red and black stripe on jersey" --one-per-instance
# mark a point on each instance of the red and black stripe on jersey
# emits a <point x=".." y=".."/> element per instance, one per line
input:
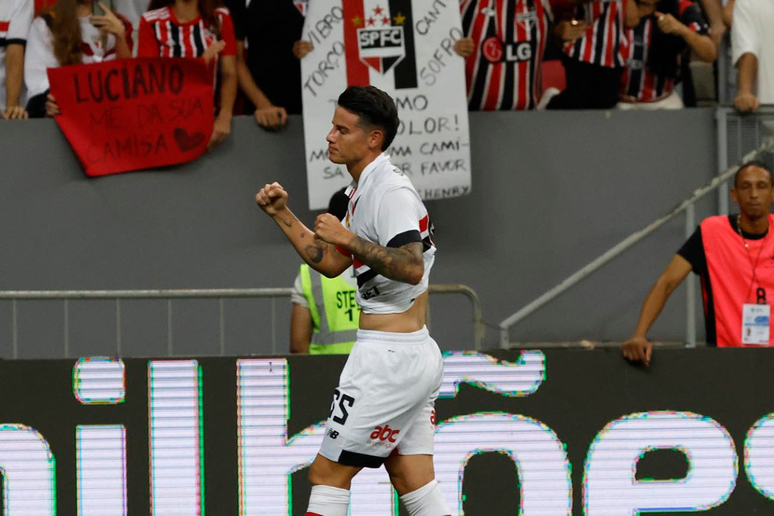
<point x="365" y="273"/>
<point x="173" y="39"/>
<point x="604" y="43"/>
<point x="4" y="40"/>
<point x="638" y="83"/>
<point x="4" y="26"/>
<point x="503" y="73"/>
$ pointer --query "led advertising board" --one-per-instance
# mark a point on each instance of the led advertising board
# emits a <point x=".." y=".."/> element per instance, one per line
<point x="560" y="432"/>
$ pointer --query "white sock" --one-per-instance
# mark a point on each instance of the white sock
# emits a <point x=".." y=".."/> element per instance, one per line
<point x="426" y="501"/>
<point x="328" y="501"/>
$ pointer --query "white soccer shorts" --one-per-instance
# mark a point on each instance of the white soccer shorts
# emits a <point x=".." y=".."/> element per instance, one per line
<point x="385" y="402"/>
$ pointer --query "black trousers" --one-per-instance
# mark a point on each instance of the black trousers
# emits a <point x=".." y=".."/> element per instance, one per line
<point x="588" y="87"/>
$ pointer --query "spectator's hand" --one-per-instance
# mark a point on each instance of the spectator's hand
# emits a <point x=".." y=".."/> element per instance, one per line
<point x="328" y="228"/>
<point x="272" y="199"/>
<point x="272" y="118"/>
<point x="220" y="131"/>
<point x="301" y="48"/>
<point x="638" y="349"/>
<point x="570" y="30"/>
<point x="109" y="22"/>
<point x="668" y="24"/>
<point x="746" y="102"/>
<point x="52" y="108"/>
<point x="717" y="31"/>
<point x="464" y="47"/>
<point x="15" y="113"/>
<point x="213" y="50"/>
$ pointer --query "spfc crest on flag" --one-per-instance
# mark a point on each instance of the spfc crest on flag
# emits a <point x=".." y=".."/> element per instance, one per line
<point x="381" y="39"/>
<point x="379" y="43"/>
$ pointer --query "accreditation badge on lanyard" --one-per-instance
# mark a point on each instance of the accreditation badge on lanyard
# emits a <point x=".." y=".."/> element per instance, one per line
<point x="755" y="317"/>
<point x="755" y="324"/>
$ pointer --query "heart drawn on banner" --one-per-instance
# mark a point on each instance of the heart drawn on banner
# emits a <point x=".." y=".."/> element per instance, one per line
<point x="186" y="142"/>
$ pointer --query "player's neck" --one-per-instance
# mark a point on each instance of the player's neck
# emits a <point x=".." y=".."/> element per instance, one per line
<point x="756" y="226"/>
<point x="356" y="169"/>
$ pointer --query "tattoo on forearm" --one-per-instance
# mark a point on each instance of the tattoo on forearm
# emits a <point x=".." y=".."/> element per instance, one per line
<point x="314" y="253"/>
<point x="396" y="263"/>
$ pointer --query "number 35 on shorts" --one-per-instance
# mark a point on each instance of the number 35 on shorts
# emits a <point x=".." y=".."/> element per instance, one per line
<point x="339" y="407"/>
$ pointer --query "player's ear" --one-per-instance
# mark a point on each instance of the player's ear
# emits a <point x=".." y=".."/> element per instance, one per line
<point x="734" y="197"/>
<point x="375" y="139"/>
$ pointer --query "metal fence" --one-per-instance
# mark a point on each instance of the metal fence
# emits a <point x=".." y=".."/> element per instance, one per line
<point x="67" y="297"/>
<point x="741" y="138"/>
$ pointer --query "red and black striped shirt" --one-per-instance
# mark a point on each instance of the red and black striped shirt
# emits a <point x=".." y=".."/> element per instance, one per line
<point x="638" y="82"/>
<point x="605" y="42"/>
<point x="162" y="35"/>
<point x="504" y="71"/>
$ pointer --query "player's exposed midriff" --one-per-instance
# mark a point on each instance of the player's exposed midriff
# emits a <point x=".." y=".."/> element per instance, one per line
<point x="409" y="321"/>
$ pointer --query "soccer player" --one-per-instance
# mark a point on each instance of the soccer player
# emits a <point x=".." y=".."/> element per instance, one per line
<point x="383" y="410"/>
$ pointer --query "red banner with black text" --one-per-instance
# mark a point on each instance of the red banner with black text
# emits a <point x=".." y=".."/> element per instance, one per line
<point x="134" y="114"/>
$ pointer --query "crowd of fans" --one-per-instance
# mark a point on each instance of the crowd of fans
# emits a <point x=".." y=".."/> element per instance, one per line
<point x="624" y="53"/>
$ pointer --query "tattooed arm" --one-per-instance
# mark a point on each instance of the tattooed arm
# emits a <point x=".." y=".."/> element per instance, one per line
<point x="404" y="263"/>
<point x="321" y="256"/>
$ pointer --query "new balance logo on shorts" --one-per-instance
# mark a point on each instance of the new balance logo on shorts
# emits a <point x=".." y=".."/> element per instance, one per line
<point x="333" y="434"/>
<point x="384" y="433"/>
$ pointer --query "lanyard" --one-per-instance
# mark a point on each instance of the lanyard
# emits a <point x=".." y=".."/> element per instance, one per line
<point x="760" y="292"/>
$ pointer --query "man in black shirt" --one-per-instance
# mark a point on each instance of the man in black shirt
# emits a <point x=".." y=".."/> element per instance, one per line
<point x="268" y="34"/>
<point x="730" y="242"/>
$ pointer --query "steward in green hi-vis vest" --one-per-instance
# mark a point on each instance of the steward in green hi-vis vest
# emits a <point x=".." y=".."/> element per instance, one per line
<point x="335" y="313"/>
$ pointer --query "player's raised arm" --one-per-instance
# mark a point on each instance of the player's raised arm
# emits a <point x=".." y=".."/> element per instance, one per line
<point x="321" y="256"/>
<point x="404" y="263"/>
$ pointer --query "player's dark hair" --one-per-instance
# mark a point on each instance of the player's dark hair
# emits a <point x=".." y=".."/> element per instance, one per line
<point x="753" y="163"/>
<point x="375" y="109"/>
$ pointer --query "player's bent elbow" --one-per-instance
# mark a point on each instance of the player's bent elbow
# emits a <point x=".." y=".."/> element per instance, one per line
<point x="416" y="275"/>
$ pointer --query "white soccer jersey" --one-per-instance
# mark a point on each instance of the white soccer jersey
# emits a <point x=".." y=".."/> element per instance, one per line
<point x="15" y="20"/>
<point x="385" y="209"/>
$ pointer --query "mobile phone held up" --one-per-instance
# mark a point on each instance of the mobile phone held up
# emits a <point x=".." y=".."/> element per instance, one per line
<point x="97" y="9"/>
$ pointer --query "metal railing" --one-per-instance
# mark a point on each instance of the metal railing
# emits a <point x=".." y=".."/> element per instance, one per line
<point x="66" y="296"/>
<point x="765" y="144"/>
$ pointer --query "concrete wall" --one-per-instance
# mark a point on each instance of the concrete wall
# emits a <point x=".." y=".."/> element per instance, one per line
<point x="551" y="191"/>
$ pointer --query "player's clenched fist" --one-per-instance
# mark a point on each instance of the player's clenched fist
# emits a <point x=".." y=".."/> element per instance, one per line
<point x="329" y="229"/>
<point x="272" y="198"/>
